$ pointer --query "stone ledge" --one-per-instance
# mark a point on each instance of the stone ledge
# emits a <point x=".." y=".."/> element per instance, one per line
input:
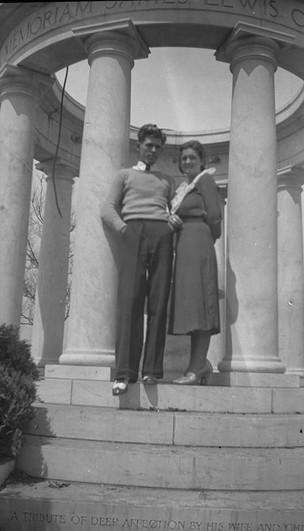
<point x="177" y="467"/>
<point x="288" y="400"/>
<point x="228" y="379"/>
<point x="55" y="391"/>
<point x="74" y="372"/>
<point x="165" y="396"/>
<point x="165" y="427"/>
<point x="255" y="379"/>
<point x="169" y="396"/>
<point x="103" y="424"/>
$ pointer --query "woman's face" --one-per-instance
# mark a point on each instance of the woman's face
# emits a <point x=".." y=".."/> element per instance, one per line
<point x="190" y="162"/>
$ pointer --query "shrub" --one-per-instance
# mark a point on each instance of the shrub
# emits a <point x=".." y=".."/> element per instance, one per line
<point x="18" y="374"/>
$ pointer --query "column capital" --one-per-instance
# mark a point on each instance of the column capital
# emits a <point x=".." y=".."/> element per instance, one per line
<point x="115" y="38"/>
<point x="290" y="177"/>
<point x="246" y="48"/>
<point x="249" y="40"/>
<point x="66" y="170"/>
<point x="20" y="80"/>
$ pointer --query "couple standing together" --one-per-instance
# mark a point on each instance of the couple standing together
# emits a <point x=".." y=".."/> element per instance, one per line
<point x="144" y="208"/>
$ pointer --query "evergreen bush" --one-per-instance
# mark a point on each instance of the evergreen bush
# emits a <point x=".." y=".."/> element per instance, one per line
<point x="18" y="374"/>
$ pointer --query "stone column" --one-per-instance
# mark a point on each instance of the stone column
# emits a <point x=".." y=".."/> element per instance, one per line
<point x="252" y="313"/>
<point x="217" y="344"/>
<point x="105" y="149"/>
<point x="290" y="270"/>
<point x="50" y="300"/>
<point x="19" y="90"/>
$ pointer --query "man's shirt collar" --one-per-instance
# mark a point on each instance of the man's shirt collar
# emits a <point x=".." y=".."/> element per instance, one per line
<point x="141" y="166"/>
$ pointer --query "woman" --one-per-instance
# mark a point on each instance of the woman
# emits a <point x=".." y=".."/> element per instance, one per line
<point x="194" y="300"/>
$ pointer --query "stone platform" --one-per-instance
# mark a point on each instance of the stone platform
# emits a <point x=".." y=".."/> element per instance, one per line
<point x="212" y="458"/>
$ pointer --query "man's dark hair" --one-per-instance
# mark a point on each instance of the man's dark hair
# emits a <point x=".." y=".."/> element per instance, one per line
<point x="151" y="130"/>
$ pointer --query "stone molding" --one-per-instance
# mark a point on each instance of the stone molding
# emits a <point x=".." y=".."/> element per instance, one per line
<point x="43" y="24"/>
<point x="68" y="171"/>
<point x="19" y="80"/>
<point x="120" y="37"/>
<point x="290" y="177"/>
<point x="249" y="48"/>
<point x="257" y="34"/>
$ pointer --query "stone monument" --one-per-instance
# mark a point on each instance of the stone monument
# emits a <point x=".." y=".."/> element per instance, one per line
<point x="228" y="456"/>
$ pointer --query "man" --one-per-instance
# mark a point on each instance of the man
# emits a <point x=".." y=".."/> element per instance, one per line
<point x="137" y="210"/>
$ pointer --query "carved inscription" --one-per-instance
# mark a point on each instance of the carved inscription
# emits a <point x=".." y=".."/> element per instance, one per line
<point x="56" y="15"/>
<point x="82" y="521"/>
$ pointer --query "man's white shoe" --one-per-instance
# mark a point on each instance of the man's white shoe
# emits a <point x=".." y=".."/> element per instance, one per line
<point x="119" y="387"/>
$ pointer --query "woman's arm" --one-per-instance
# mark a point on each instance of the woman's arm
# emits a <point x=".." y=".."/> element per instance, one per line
<point x="210" y="194"/>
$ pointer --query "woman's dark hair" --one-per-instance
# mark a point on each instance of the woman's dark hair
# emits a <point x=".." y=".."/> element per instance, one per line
<point x="197" y="147"/>
<point x="151" y="130"/>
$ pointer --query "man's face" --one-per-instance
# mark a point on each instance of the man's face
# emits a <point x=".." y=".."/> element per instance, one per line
<point x="149" y="150"/>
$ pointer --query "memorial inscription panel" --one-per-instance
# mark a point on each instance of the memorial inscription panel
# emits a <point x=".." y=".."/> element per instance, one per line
<point x="210" y="520"/>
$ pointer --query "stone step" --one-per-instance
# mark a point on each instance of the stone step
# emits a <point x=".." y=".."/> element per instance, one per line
<point x="163" y="396"/>
<point x="34" y="506"/>
<point x="148" y="465"/>
<point x="169" y="428"/>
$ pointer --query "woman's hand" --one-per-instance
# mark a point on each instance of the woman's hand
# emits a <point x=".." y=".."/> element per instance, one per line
<point x="175" y="223"/>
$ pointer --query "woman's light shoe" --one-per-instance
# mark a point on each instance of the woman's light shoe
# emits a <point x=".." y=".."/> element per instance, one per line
<point x="191" y="378"/>
<point x="149" y="380"/>
<point x="119" y="387"/>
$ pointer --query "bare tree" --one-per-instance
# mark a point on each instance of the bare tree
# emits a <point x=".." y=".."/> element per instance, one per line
<point x="32" y="253"/>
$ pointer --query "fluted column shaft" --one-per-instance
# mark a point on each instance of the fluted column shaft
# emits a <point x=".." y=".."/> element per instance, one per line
<point x="290" y="271"/>
<point x="18" y="93"/>
<point x="252" y="328"/>
<point x="50" y="300"/>
<point x="105" y="149"/>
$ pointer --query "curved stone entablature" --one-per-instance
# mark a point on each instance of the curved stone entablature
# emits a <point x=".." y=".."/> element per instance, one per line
<point x="289" y="119"/>
<point x="45" y="40"/>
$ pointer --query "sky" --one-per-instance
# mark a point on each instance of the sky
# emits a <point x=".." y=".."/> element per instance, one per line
<point x="184" y="89"/>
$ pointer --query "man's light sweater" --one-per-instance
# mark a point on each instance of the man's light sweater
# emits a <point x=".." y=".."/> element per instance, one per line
<point x="136" y="194"/>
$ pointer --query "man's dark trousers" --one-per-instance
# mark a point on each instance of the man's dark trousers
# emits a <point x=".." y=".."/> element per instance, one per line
<point x="145" y="271"/>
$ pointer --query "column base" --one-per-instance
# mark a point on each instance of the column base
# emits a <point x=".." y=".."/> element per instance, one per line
<point x="270" y="365"/>
<point x="42" y="362"/>
<point x="95" y="357"/>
